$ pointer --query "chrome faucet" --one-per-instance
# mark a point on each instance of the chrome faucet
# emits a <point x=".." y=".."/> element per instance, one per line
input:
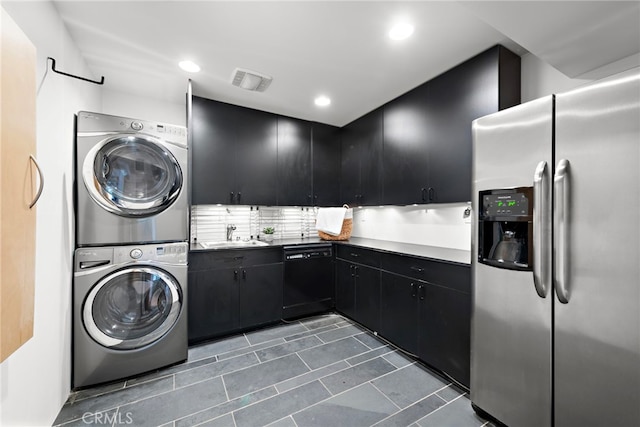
<point x="230" y="228"/>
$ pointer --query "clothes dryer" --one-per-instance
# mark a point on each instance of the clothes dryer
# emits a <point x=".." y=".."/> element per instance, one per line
<point x="131" y="181"/>
<point x="129" y="310"/>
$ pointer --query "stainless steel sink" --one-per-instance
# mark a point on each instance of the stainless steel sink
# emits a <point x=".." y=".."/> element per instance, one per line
<point x="232" y="244"/>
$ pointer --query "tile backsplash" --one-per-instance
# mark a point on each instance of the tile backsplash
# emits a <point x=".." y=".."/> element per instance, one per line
<point x="446" y="226"/>
<point x="209" y="222"/>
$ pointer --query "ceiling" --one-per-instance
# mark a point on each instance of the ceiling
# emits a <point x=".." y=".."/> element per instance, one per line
<point x="338" y="49"/>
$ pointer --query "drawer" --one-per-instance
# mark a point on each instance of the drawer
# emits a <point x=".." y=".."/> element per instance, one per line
<point x="209" y="260"/>
<point x="409" y="266"/>
<point x="358" y="255"/>
<point x="452" y="276"/>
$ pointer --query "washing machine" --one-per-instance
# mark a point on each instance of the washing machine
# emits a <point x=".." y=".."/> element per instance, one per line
<point x="129" y="310"/>
<point x="131" y="183"/>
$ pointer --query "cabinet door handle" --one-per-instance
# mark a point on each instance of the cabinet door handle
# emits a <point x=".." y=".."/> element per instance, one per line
<point x="239" y="196"/>
<point x="41" y="179"/>
<point x="421" y="291"/>
<point x="351" y="268"/>
<point x="432" y="194"/>
<point x="413" y="290"/>
<point x="231" y="196"/>
<point x="244" y="274"/>
<point x="423" y="194"/>
<point x="235" y="275"/>
<point x="355" y="268"/>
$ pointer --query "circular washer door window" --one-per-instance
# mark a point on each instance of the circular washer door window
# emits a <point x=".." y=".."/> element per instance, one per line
<point x="132" y="175"/>
<point x="132" y="308"/>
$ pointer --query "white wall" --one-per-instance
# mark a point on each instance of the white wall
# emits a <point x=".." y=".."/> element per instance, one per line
<point x="35" y="380"/>
<point x="434" y="225"/>
<point x="135" y="107"/>
<point x="541" y="79"/>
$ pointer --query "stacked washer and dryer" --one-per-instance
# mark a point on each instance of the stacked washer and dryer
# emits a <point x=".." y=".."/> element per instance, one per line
<point x="130" y="264"/>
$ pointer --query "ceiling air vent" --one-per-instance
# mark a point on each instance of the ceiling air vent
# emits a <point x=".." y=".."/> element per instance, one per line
<point x="251" y="80"/>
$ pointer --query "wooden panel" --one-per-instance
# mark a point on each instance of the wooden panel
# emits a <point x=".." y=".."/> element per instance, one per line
<point x="17" y="187"/>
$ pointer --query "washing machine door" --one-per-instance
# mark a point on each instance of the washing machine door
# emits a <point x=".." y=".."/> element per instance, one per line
<point x="132" y="175"/>
<point x="132" y="308"/>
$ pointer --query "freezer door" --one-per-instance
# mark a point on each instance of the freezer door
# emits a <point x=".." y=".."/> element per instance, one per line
<point x="597" y="254"/>
<point x="511" y="323"/>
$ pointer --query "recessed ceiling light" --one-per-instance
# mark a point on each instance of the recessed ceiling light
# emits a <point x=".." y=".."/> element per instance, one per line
<point x="322" y="101"/>
<point x="401" y="31"/>
<point x="189" y="66"/>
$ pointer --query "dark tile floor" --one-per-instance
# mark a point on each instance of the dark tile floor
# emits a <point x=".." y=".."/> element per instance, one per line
<point x="321" y="371"/>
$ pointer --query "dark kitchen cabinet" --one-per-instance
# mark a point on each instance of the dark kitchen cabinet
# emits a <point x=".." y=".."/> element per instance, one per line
<point x="213" y="302"/>
<point x="485" y="84"/>
<point x="358" y="293"/>
<point x="233" y="154"/>
<point x="399" y="310"/>
<point x="358" y="285"/>
<point x="444" y="341"/>
<point x="426" y="309"/>
<point x="406" y="154"/>
<point x="427" y="131"/>
<point x="232" y="290"/>
<point x="326" y="165"/>
<point x="294" y="162"/>
<point x="260" y="295"/>
<point x="346" y="289"/>
<point x="361" y="160"/>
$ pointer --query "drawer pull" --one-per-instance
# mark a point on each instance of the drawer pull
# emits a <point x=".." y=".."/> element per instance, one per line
<point x="354" y="255"/>
<point x="417" y="269"/>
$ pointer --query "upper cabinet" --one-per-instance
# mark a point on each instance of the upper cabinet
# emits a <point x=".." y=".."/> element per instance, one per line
<point x="326" y="165"/>
<point x="250" y="157"/>
<point x="414" y="149"/>
<point x="294" y="162"/>
<point x="361" y="171"/>
<point x="234" y="154"/>
<point x="427" y="132"/>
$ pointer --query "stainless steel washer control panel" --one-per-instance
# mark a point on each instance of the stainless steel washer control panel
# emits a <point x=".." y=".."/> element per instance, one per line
<point x="171" y="253"/>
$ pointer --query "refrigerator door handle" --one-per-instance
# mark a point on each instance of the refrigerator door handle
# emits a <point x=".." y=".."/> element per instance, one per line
<point x="561" y="231"/>
<point x="541" y="231"/>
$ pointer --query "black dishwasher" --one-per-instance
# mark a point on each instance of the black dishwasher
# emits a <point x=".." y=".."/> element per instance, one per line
<point x="308" y="280"/>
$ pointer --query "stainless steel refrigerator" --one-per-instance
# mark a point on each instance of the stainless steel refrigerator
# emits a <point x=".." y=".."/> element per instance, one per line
<point x="556" y="259"/>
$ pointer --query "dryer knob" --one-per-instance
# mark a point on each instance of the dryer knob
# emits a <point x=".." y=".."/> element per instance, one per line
<point x="136" y="253"/>
<point x="136" y="126"/>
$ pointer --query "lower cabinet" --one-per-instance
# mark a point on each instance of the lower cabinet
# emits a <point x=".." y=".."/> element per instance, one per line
<point x="358" y="293"/>
<point x="225" y="299"/>
<point x="422" y="306"/>
<point x="399" y="311"/>
<point x="260" y="295"/>
<point x="445" y="323"/>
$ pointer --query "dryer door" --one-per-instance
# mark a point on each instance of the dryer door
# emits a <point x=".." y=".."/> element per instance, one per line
<point x="132" y="308"/>
<point x="132" y="175"/>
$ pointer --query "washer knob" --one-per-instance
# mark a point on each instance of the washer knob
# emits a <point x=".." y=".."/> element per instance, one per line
<point x="136" y="126"/>
<point x="136" y="253"/>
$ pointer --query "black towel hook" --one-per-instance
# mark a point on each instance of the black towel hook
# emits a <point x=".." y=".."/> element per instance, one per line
<point x="53" y="67"/>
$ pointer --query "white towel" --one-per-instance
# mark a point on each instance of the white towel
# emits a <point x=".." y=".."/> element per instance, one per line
<point x="329" y="220"/>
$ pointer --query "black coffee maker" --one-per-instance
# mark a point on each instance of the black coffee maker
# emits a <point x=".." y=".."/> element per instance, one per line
<point x="505" y="227"/>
